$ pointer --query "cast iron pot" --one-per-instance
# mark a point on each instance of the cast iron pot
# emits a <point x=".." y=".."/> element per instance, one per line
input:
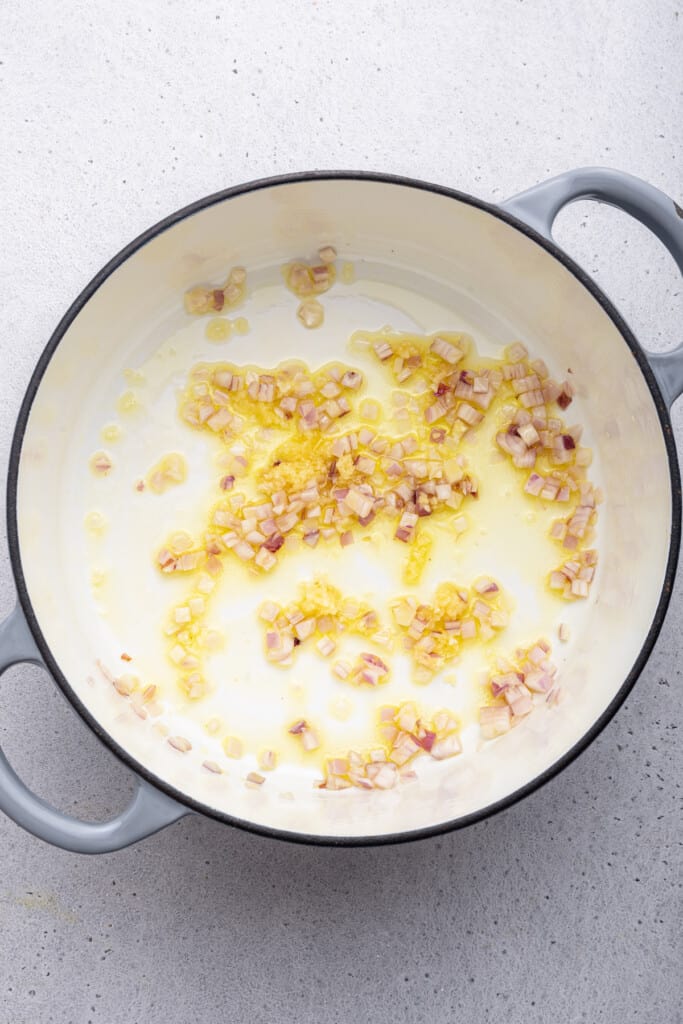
<point x="502" y="263"/>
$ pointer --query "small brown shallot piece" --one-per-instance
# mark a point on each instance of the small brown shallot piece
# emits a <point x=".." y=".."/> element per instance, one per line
<point x="299" y="279"/>
<point x="518" y="699"/>
<point x="327" y="254"/>
<point x="233" y="747"/>
<point x="359" y="503"/>
<point x="370" y="669"/>
<point x="446" y="747"/>
<point x="326" y="646"/>
<point x="383" y="351"/>
<point x="267" y="760"/>
<point x="125" y="685"/>
<point x="278" y="646"/>
<point x="304" y="628"/>
<point x="566" y="394"/>
<point x="101" y="463"/>
<point x="244" y="550"/>
<point x="265" y="559"/>
<point x="321" y="276"/>
<point x="406" y="526"/>
<point x="516" y="353"/>
<point x="383" y="775"/>
<point x="235" y="286"/>
<point x="494" y="721"/>
<point x="303" y="731"/>
<point x="486" y="585"/>
<point x="199" y="300"/>
<point x="269" y="611"/>
<point x="534" y="484"/>
<point x="529" y="434"/>
<point x="468" y="414"/>
<point x="311" y="313"/>
<point x="449" y="353"/>
<point x="352" y="379"/>
<point x="180" y="743"/>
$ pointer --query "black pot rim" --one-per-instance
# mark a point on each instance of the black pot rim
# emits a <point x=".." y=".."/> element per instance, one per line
<point x="283" y="834"/>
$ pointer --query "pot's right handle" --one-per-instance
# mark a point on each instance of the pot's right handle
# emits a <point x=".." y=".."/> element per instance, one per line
<point x="148" y="811"/>
<point x="539" y="206"/>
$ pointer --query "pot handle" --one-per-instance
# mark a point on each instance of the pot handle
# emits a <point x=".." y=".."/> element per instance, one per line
<point x="148" y="811"/>
<point x="539" y="206"/>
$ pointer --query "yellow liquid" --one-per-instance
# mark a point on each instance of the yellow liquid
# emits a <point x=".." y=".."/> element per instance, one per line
<point x="506" y="537"/>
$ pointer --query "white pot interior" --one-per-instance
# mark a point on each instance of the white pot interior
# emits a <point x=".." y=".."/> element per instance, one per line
<point x="422" y="260"/>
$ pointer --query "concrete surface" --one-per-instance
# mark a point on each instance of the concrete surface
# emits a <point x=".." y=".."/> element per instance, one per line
<point x="567" y="907"/>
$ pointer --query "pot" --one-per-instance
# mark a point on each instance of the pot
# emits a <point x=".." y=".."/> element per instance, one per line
<point x="498" y="266"/>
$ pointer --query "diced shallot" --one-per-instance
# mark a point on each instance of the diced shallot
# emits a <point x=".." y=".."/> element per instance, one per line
<point x="383" y="351"/>
<point x="233" y="747"/>
<point x="516" y="353"/>
<point x="486" y="585"/>
<point x="566" y="395"/>
<point x="278" y="646"/>
<point x="448" y="746"/>
<point x="326" y="646"/>
<point x="267" y="760"/>
<point x="449" y="353"/>
<point x="469" y="415"/>
<point x="311" y="313"/>
<point x="494" y="721"/>
<point x="518" y="699"/>
<point x="180" y="743"/>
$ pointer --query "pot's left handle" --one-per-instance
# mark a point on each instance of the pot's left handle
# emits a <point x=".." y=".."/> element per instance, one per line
<point x="148" y="811"/>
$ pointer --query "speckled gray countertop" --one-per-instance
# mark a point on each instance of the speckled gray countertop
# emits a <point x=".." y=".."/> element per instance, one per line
<point x="566" y="908"/>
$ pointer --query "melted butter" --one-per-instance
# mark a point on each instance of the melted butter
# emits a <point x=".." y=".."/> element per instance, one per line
<point x="95" y="523"/>
<point x="111" y="432"/>
<point x="134" y="377"/>
<point x="98" y="578"/>
<point x="128" y="402"/>
<point x="218" y="329"/>
<point x="240" y="325"/>
<point x="506" y="538"/>
<point x="500" y="542"/>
